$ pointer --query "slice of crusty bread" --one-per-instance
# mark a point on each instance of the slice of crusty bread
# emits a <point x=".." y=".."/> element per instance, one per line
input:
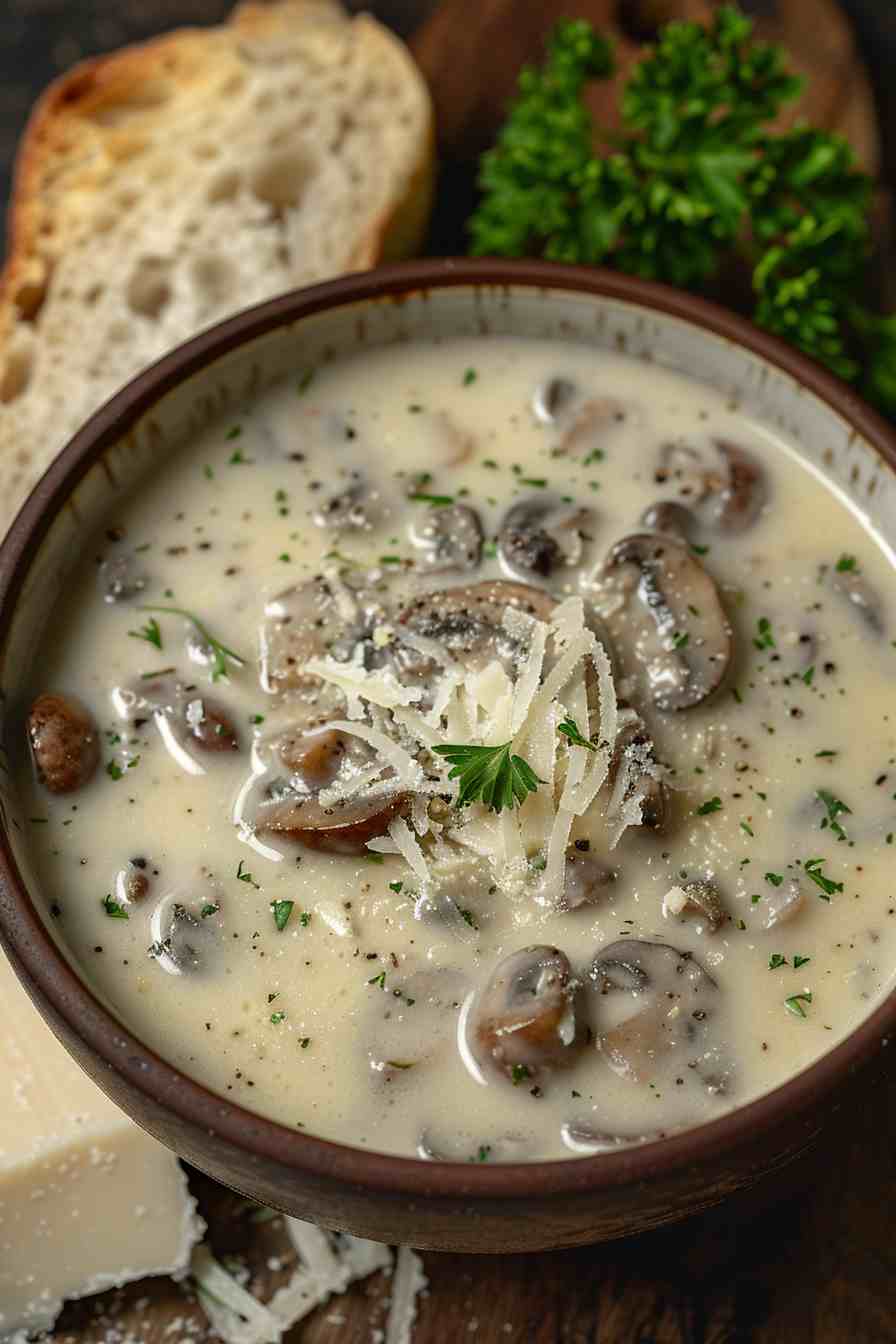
<point x="171" y="184"/>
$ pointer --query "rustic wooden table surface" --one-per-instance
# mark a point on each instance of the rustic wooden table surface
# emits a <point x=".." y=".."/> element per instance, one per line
<point x="812" y="1259"/>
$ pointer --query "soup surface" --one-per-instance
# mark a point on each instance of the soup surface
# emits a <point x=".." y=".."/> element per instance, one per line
<point x="478" y="751"/>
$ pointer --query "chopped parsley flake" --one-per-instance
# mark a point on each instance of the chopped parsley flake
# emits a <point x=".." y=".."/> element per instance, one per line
<point x="437" y="501"/>
<point x="776" y="960"/>
<point x="799" y="961"/>
<point x="243" y="875"/>
<point x="711" y="805"/>
<point x="812" y="869"/>
<point x="378" y="980"/>
<point x="847" y="564"/>
<point x="281" y="910"/>
<point x="469" y="377"/>
<point x="834" y="808"/>
<point x="570" y="729"/>
<point x="278" y="1017"/>
<point x="113" y="909"/>
<point x="519" y="1073"/>
<point x="795" y="1004"/>
<point x="764" y="639"/>
<point x="775" y="878"/>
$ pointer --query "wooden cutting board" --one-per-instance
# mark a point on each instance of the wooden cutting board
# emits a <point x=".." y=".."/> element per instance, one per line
<point x="812" y="1260"/>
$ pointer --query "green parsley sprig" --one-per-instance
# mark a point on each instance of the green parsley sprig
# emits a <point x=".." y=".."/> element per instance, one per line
<point x="697" y="173"/>
<point x="220" y="653"/>
<point x="491" y="775"/>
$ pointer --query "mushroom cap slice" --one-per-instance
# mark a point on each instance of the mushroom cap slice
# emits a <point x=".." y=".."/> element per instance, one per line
<point x="727" y="494"/>
<point x="65" y="742"/>
<point x="350" y="507"/>
<point x="633" y="775"/>
<point x="448" y="538"/>
<point x="552" y="398"/>
<point x="313" y="618"/>
<point x="343" y="828"/>
<point x="736" y="504"/>
<point x="467" y="623"/>
<point x="315" y="761"/>
<point x="523" y="1022"/>
<point x="540" y="534"/>
<point x="863" y="598"/>
<point x="665" y="619"/>
<point x="667" y="515"/>
<point x="674" y="1000"/>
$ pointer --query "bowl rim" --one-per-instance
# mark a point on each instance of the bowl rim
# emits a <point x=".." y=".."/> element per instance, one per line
<point x="24" y="935"/>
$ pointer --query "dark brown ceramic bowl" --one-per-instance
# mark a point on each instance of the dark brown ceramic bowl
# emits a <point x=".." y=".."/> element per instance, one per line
<point x="461" y="1207"/>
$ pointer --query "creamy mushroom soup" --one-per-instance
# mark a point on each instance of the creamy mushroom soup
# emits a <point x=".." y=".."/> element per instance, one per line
<point x="479" y="751"/>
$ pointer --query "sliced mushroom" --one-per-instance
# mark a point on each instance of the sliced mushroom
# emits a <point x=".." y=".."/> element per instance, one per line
<point x="540" y="534"/>
<point x="587" y="879"/>
<point x="589" y="427"/>
<point x="186" y="720"/>
<point x="324" y="615"/>
<point x="862" y="596"/>
<point x="131" y="882"/>
<point x="523" y="1022"/>
<point x="727" y="495"/>
<point x="637" y="794"/>
<point x="351" y="507"/>
<point x="585" y="1140"/>
<point x="698" y="896"/>
<point x="782" y="903"/>
<point x="665" y="619"/>
<point x="670" y="517"/>
<point x="182" y="940"/>
<point x="449" y="538"/>
<point x="292" y="806"/>
<point x="655" y="1012"/>
<point x="552" y="398"/>
<point x="209" y="726"/>
<point x="65" y="742"/>
<point x="122" y="577"/>
<point x="466" y="625"/>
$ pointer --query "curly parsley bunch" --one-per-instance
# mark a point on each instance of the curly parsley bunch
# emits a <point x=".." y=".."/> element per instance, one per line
<point x="696" y="173"/>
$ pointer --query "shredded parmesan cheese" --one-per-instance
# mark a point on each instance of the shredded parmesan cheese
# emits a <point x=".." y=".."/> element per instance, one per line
<point x="380" y="687"/>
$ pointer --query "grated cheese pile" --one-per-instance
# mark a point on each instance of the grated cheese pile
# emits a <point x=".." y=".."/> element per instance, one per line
<point x="485" y="706"/>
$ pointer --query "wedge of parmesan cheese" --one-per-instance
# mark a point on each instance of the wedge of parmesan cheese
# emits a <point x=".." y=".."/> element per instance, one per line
<point x="88" y="1201"/>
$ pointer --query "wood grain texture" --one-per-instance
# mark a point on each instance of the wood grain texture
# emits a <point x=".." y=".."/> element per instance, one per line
<point x="810" y="1259"/>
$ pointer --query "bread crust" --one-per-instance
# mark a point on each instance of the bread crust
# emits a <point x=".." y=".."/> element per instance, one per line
<point x="73" y="126"/>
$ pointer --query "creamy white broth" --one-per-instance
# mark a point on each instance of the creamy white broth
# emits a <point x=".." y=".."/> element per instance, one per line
<point x="345" y="1021"/>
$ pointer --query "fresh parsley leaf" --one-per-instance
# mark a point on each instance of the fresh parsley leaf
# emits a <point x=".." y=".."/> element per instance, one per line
<point x="221" y="655"/>
<point x="150" y="632"/>
<point x="570" y="729"/>
<point x="492" y="775"/>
